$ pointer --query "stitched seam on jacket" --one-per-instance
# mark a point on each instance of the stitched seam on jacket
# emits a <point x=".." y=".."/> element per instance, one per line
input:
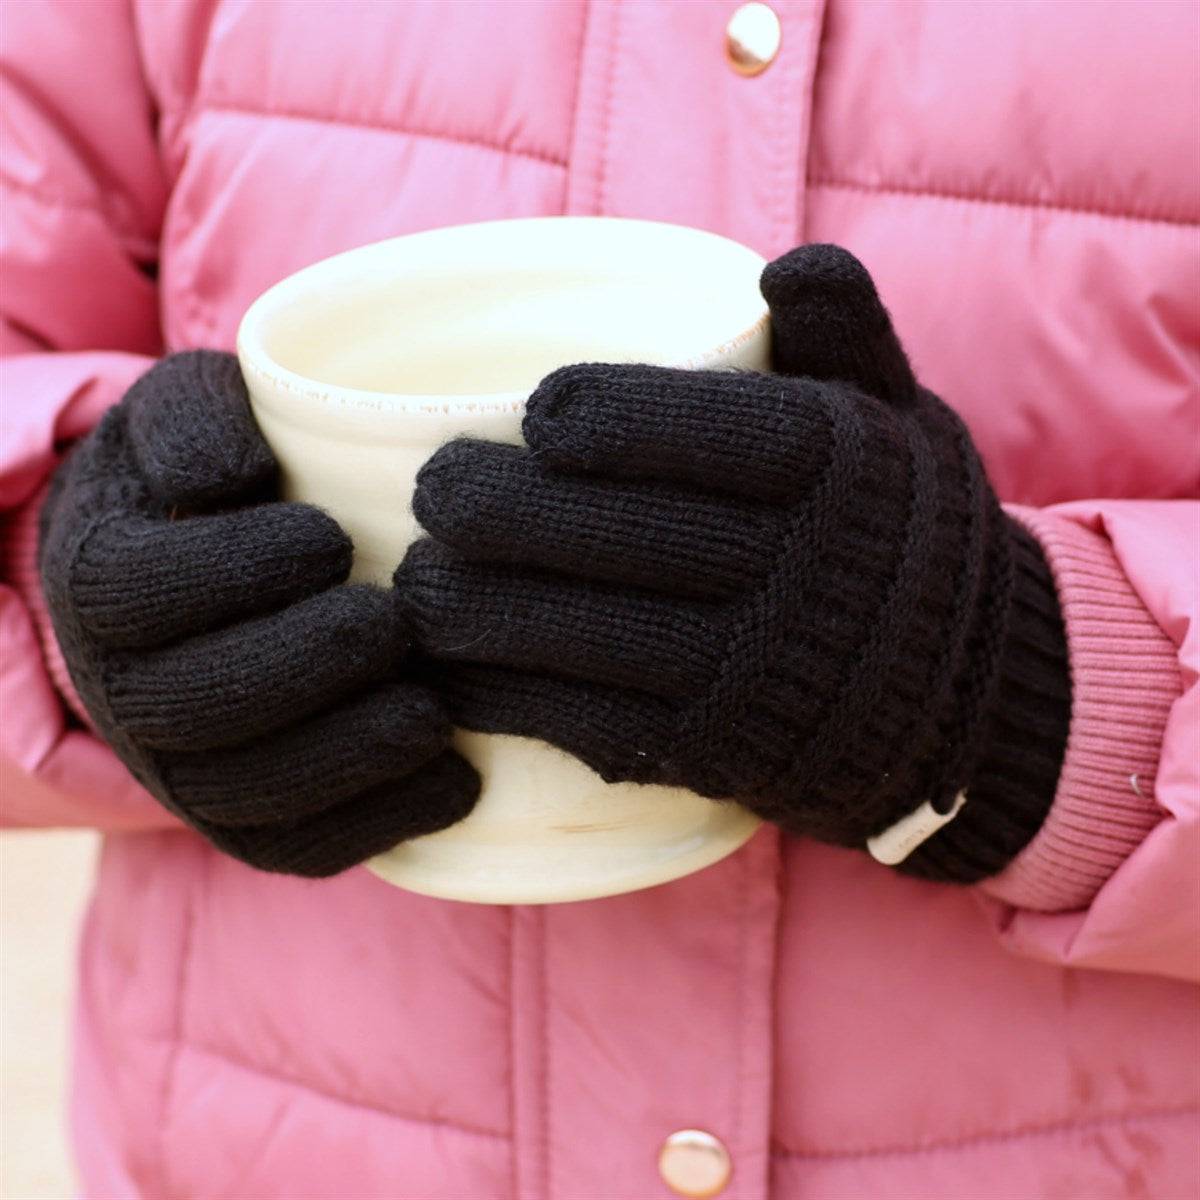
<point x="807" y="82"/>
<point x="610" y="88"/>
<point x="51" y="198"/>
<point x="512" y="1052"/>
<point x="850" y="185"/>
<point x="741" y="1087"/>
<point x="171" y="1071"/>
<point x="1054" y="1129"/>
<point x="537" y="156"/>
<point x="348" y="1101"/>
<point x="792" y="133"/>
<point x="139" y="246"/>
<point x="784" y="114"/>
<point x="547" y="1164"/>
<point x="580" y="52"/>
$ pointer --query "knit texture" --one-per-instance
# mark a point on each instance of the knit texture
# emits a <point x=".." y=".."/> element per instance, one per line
<point x="1126" y="677"/>
<point x="20" y="565"/>
<point x="210" y="635"/>
<point x="791" y="591"/>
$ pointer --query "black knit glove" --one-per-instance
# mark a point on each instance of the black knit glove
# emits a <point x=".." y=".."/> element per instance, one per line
<point x="209" y="635"/>
<point x="799" y="592"/>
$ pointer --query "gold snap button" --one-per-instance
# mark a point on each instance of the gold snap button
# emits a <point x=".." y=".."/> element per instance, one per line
<point x="752" y="38"/>
<point x="694" y="1164"/>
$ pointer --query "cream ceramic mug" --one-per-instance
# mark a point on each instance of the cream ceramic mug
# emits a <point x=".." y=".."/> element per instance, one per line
<point x="361" y="365"/>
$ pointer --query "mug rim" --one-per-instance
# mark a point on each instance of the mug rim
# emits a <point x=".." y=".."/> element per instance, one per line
<point x="336" y="399"/>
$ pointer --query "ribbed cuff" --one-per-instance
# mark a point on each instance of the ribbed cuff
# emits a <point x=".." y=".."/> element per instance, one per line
<point x="1014" y="772"/>
<point x="1125" y="677"/>
<point x="20" y="568"/>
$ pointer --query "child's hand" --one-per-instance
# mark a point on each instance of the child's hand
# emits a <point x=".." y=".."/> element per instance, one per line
<point x="210" y="636"/>
<point x="795" y="590"/>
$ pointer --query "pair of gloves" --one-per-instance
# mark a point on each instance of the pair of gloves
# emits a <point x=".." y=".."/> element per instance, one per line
<point x="796" y="590"/>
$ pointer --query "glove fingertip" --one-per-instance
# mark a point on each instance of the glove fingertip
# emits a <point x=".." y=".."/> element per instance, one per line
<point x="828" y="322"/>
<point x="448" y="787"/>
<point x="554" y="410"/>
<point x="192" y="432"/>
<point x="418" y="720"/>
<point x="816" y="265"/>
<point x="424" y="551"/>
<point x="320" y="543"/>
<point x="582" y="419"/>
<point x="439" y="481"/>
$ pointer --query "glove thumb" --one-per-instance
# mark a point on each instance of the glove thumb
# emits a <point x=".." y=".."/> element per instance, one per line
<point x="829" y="323"/>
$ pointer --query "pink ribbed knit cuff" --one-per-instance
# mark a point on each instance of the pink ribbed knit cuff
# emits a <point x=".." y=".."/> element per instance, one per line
<point x="1124" y="679"/>
<point x="21" y="571"/>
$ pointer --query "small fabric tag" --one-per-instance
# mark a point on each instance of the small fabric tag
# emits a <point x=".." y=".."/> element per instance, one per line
<point x="898" y="841"/>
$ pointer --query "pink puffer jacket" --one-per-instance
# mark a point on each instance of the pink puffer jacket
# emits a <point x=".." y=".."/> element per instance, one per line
<point x="1022" y="181"/>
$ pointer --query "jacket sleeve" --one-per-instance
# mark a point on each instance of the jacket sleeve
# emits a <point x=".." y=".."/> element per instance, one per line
<point x="1111" y="881"/>
<point x="81" y="204"/>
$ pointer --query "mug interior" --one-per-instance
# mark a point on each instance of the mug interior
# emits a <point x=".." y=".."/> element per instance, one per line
<point x="490" y="308"/>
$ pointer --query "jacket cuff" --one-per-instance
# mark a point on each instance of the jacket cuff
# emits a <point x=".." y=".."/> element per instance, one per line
<point x="1124" y="679"/>
<point x="20" y="568"/>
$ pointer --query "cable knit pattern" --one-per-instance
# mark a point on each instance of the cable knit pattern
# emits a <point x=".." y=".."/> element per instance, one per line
<point x="795" y="590"/>
<point x="1125" y="677"/>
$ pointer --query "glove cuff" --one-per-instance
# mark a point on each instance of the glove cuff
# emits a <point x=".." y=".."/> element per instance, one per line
<point x="1011" y="784"/>
<point x="19" y="545"/>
